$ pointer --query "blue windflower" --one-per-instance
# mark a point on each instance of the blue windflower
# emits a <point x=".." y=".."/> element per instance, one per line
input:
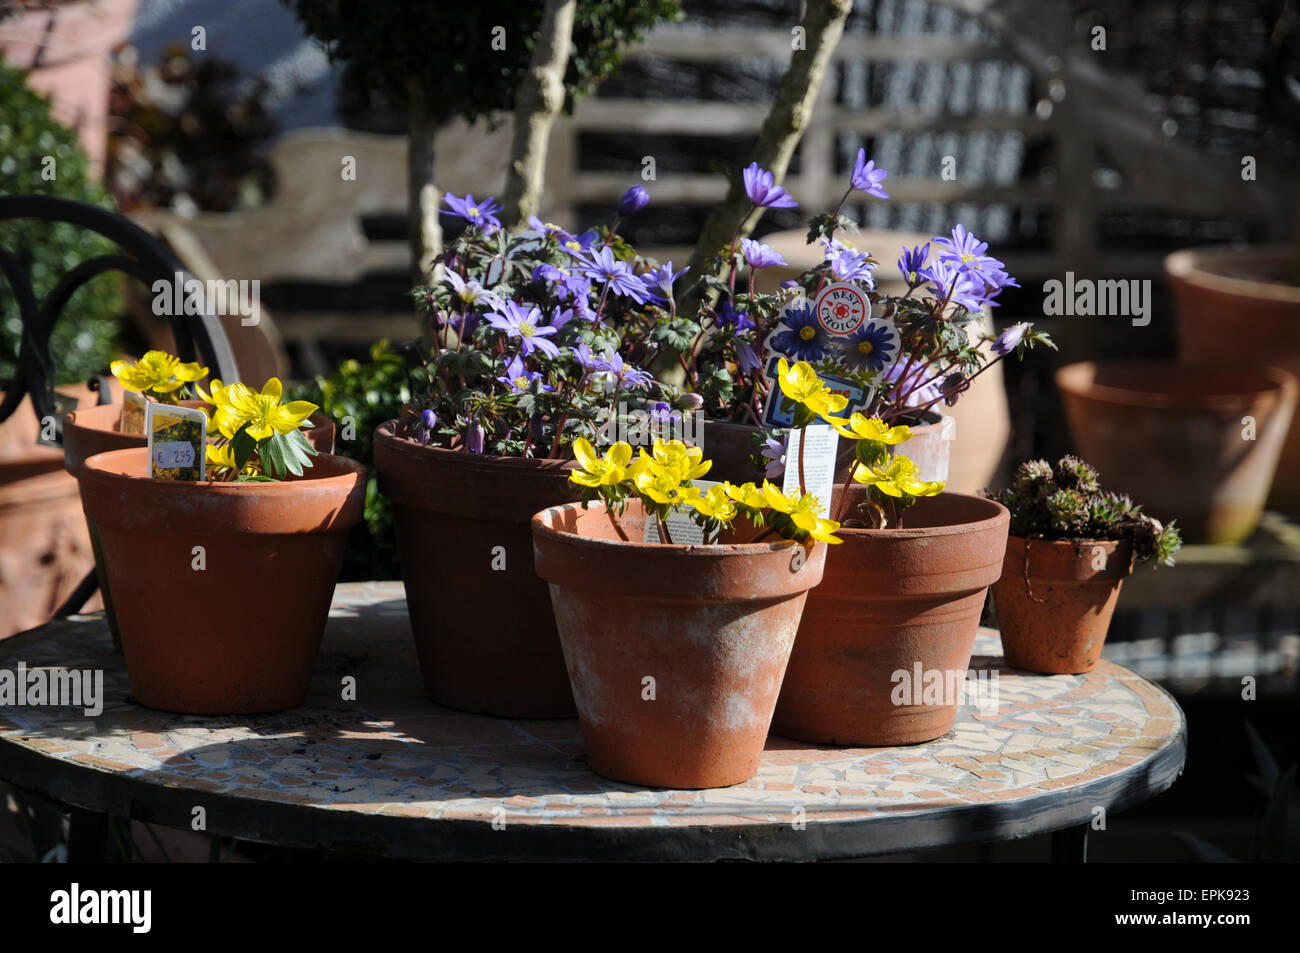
<point x="867" y="178"/>
<point x="527" y="327"/>
<point x="482" y="213"/>
<point x="805" y="339"/>
<point x="911" y="264"/>
<point x="729" y="317"/>
<point x="758" y="255"/>
<point x="603" y="267"/>
<point x="761" y="191"/>
<point x="659" y="281"/>
<point x="519" y="379"/>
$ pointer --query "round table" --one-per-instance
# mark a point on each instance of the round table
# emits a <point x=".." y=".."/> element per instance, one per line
<point x="378" y="769"/>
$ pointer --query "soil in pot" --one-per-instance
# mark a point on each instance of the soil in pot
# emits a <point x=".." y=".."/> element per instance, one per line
<point x="221" y="590"/>
<point x="1055" y="600"/>
<point x="482" y="620"/>
<point x="1237" y="307"/>
<point x="676" y="653"/>
<point x="1196" y="443"/>
<point x="894" y="602"/>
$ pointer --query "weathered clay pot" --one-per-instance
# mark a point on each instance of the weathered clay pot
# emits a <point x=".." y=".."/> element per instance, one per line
<point x="1236" y="307"/>
<point x="482" y="620"/>
<point x="1054" y="615"/>
<point x="675" y="653"/>
<point x="1177" y="438"/>
<point x="237" y="632"/>
<point x="730" y="445"/>
<point x="45" y="551"/>
<point x="91" y="430"/>
<point x="891" y="600"/>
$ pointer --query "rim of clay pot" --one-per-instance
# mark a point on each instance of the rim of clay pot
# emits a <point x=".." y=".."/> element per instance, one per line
<point x="1167" y="386"/>
<point x="115" y="492"/>
<point x="406" y="447"/>
<point x="931" y="418"/>
<point x="1237" y="269"/>
<point x="89" y="418"/>
<point x="994" y="516"/>
<point x="1070" y="559"/>
<point x="566" y="557"/>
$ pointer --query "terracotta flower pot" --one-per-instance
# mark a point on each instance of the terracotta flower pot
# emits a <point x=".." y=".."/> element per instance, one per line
<point x="675" y="653"/>
<point x="729" y="446"/>
<point x="239" y="634"/>
<point x="1055" y="614"/>
<point x="893" y="600"/>
<point x="1237" y="307"/>
<point x="1177" y="438"/>
<point x="482" y="621"/>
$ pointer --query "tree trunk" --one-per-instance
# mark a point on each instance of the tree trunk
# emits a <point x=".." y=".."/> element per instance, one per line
<point x="423" y="230"/>
<point x="823" y="24"/>
<point x="538" y="101"/>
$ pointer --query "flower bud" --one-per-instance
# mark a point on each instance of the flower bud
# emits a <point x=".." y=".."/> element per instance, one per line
<point x="634" y="199"/>
<point x="474" y="436"/>
<point x="690" y="401"/>
<point x="428" y="419"/>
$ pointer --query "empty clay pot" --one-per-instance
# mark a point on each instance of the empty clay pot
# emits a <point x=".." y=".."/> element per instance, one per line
<point x="481" y="617"/>
<point x="1237" y="307"/>
<point x="1054" y="615"/>
<point x="232" y="627"/>
<point x="893" y="599"/>
<point x="1196" y="443"/>
<point x="675" y="653"/>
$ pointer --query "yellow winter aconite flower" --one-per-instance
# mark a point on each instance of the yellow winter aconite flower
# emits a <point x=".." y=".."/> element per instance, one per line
<point x="221" y="457"/>
<point x="264" y="413"/>
<point x="609" y="470"/>
<point x="715" y="504"/>
<point x="746" y="494"/>
<point x="157" y="372"/>
<point x="897" y="477"/>
<point x="685" y="461"/>
<point x="802" y="385"/>
<point x="802" y="510"/>
<point x="861" y="427"/>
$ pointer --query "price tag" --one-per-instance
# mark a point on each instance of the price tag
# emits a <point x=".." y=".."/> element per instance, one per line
<point x="178" y="438"/>
<point x="819" y="456"/>
<point x="683" y="530"/>
<point x="133" y="411"/>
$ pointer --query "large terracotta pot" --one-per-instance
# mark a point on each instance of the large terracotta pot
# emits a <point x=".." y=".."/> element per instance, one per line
<point x="730" y="445"/>
<point x="239" y="634"/>
<point x="1054" y="615"/>
<point x="45" y="551"/>
<point x="1237" y="307"/>
<point x="65" y="48"/>
<point x="893" y="600"/>
<point x="482" y="621"/>
<point x="675" y="653"/>
<point x="1177" y="438"/>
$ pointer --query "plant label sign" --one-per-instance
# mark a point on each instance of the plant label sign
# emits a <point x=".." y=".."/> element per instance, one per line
<point x="178" y="439"/>
<point x="842" y="308"/>
<point x="775" y="416"/>
<point x="133" y="412"/>
<point x="819" y="457"/>
<point x="683" y="530"/>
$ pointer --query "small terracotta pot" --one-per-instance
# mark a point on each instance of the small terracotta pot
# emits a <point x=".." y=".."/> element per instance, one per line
<point x="1177" y="438"/>
<point x="239" y="635"/>
<point x="1054" y="615"/>
<point x="675" y="653"/>
<point x="730" y="445"/>
<point x="1236" y="306"/>
<point x="481" y="617"/>
<point x="893" y="599"/>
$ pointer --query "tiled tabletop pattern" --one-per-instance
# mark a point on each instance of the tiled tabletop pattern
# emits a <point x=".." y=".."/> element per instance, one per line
<point x="392" y="752"/>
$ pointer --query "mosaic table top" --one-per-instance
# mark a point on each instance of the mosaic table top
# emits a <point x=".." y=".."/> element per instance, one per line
<point x="392" y="773"/>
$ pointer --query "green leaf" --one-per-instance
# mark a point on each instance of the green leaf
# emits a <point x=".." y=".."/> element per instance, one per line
<point x="242" y="447"/>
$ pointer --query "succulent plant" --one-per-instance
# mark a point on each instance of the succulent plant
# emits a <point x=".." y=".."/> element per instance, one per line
<point x="1066" y="501"/>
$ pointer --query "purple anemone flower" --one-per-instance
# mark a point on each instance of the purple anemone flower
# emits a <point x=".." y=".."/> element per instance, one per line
<point x="761" y="191"/>
<point x="911" y="264"/>
<point x="805" y="339"/>
<point x="588" y="359"/>
<point x="1010" y="339"/>
<point x="852" y="265"/>
<point x="475" y="436"/>
<point x="774" y="453"/>
<point x="520" y="379"/>
<point x="662" y="413"/>
<point x="549" y="230"/>
<point x="957" y="285"/>
<point x="471" y="293"/>
<point x="633" y="200"/>
<point x="729" y="317"/>
<point x="603" y="267"/>
<point x="527" y="327"/>
<point x="482" y="213"/>
<point x="559" y="318"/>
<point x="659" y="281"/>
<point x="867" y="349"/>
<point x="627" y="376"/>
<point x="758" y="255"/>
<point x="747" y="357"/>
<point x="867" y="178"/>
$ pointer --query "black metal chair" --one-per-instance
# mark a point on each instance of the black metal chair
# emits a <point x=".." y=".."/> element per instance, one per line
<point x="142" y="257"/>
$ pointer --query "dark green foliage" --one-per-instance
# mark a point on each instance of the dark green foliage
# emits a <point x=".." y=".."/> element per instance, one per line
<point x="1066" y="501"/>
<point x="358" y="397"/>
<point x="83" y="340"/>
<point x="417" y="52"/>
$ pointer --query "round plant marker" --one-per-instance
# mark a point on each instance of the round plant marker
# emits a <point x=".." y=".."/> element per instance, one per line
<point x="842" y="308"/>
